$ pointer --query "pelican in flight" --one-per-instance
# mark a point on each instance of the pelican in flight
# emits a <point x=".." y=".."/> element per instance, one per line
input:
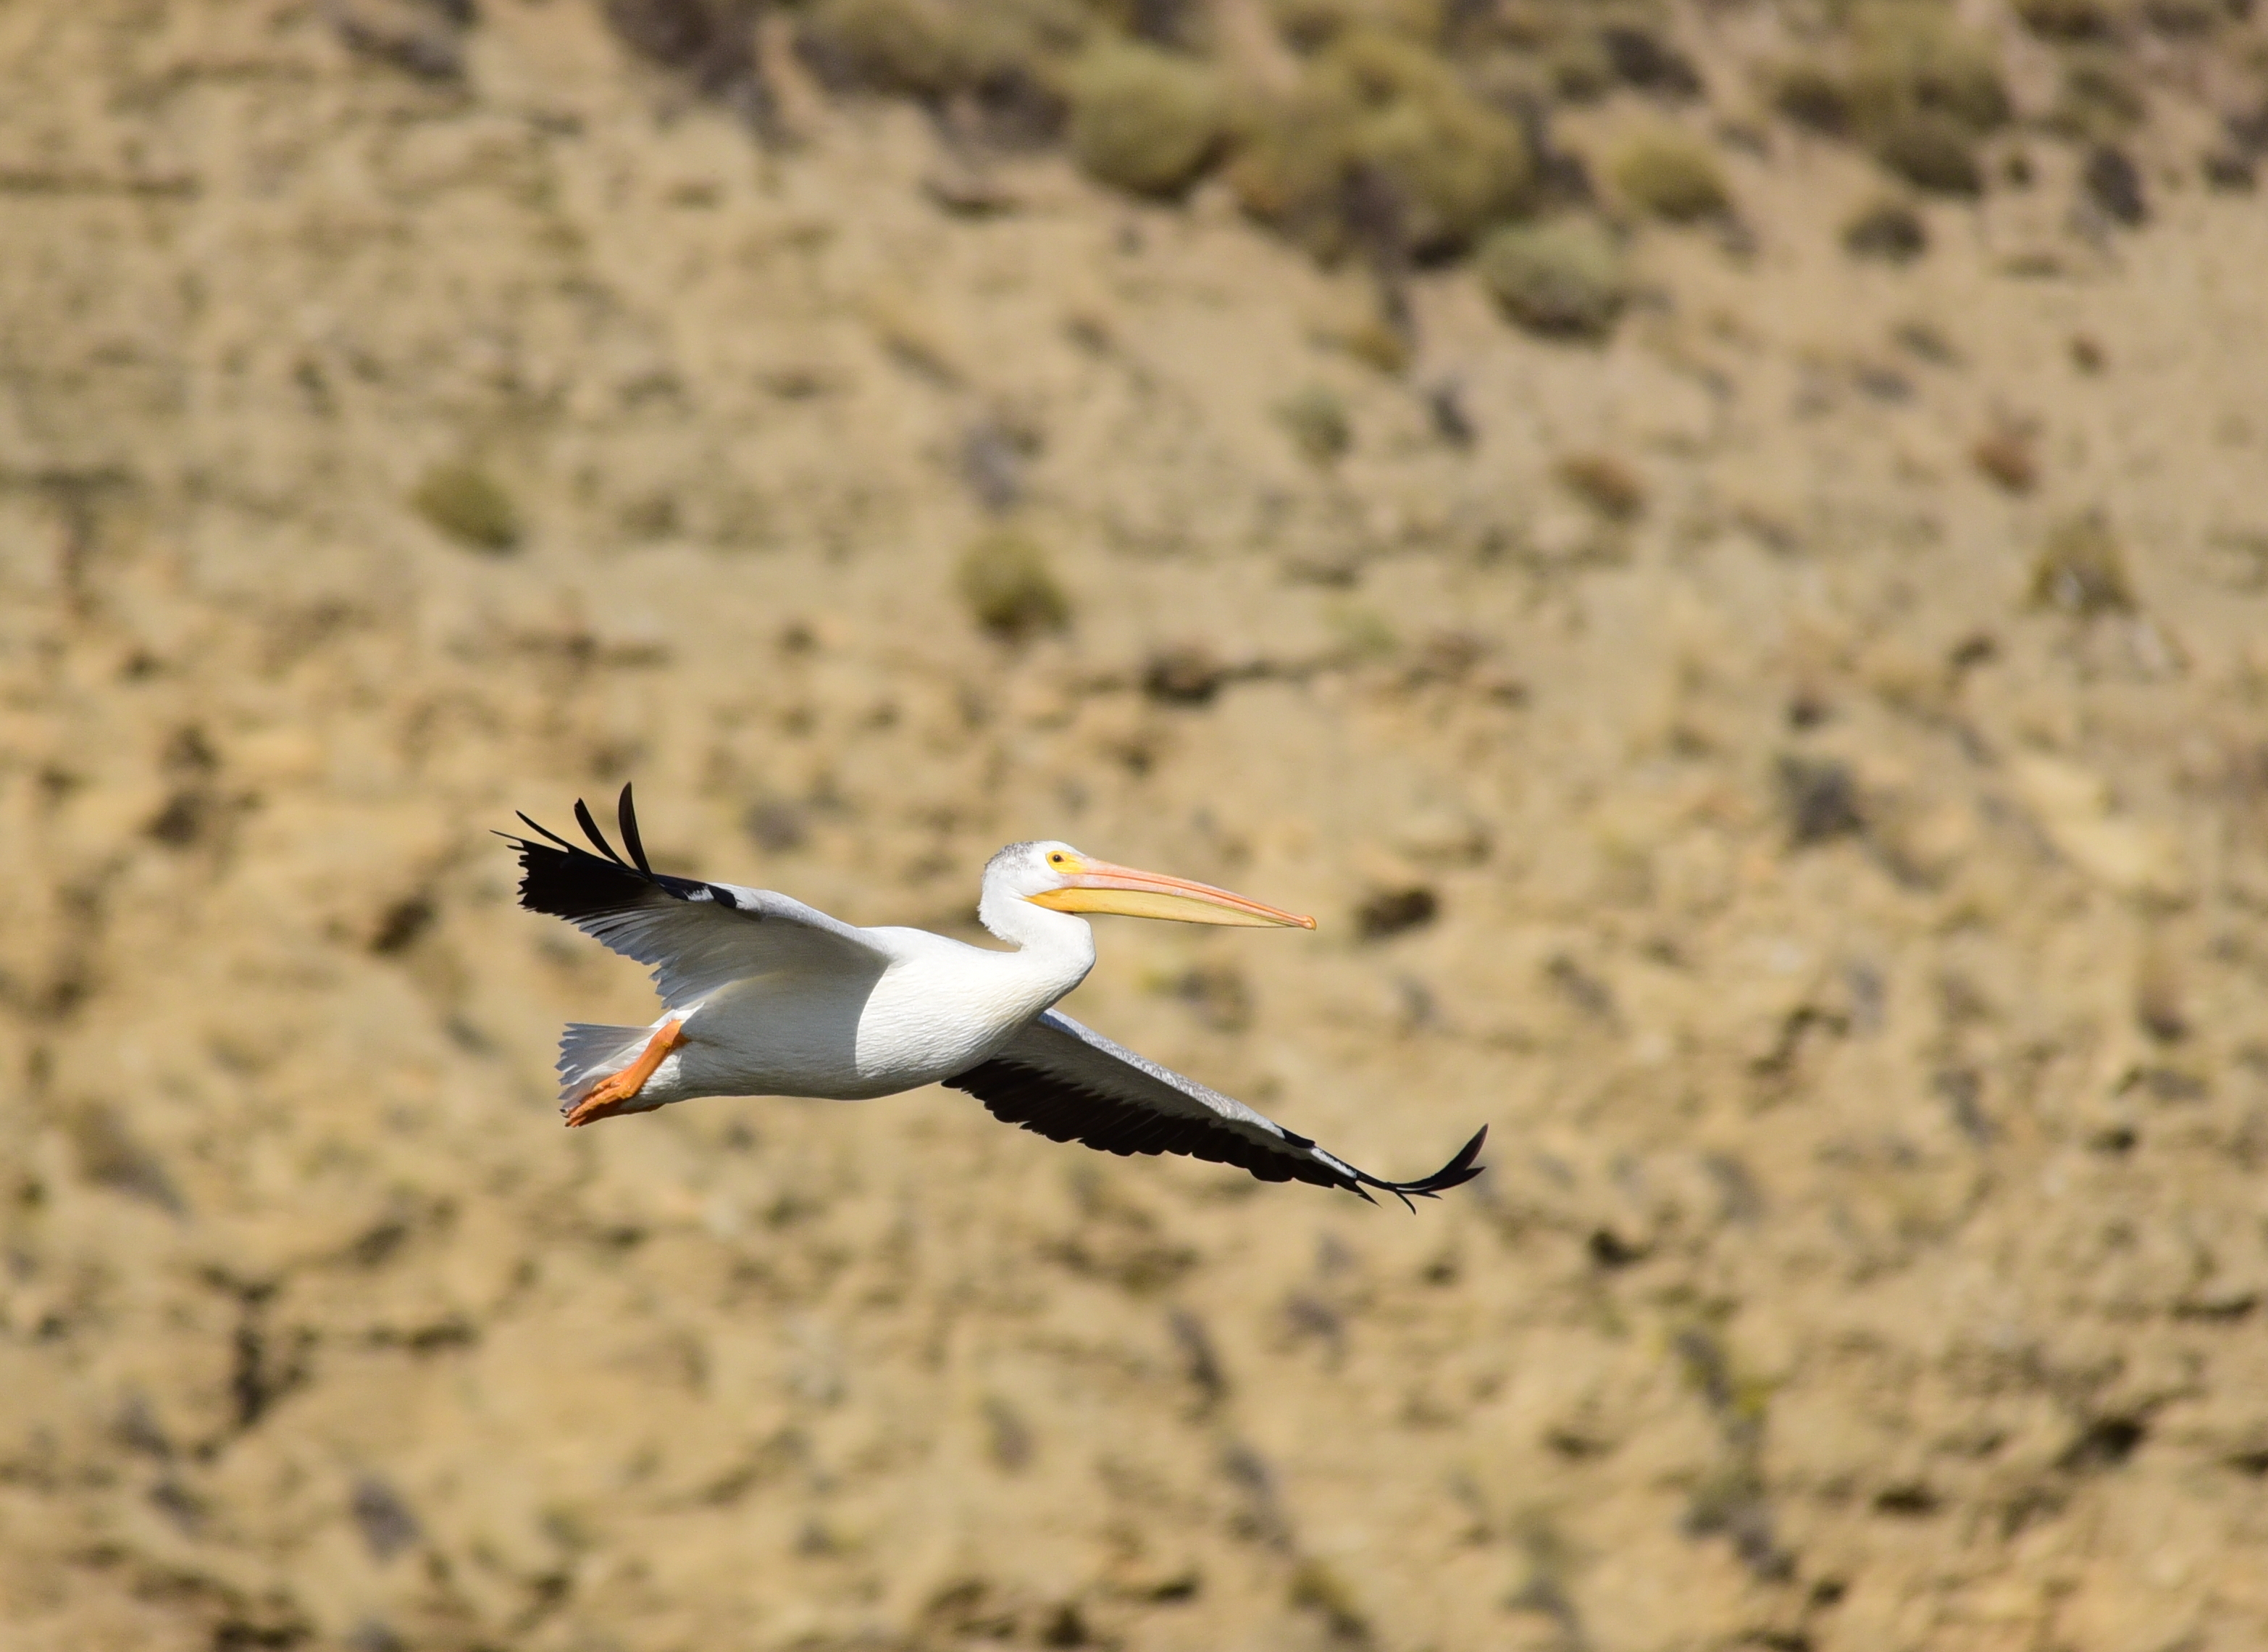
<point x="762" y="995"/>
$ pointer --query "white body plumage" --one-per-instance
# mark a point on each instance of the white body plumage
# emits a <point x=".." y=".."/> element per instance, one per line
<point x="765" y="996"/>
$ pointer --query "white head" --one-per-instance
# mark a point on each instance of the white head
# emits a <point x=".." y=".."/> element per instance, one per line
<point x="1061" y="878"/>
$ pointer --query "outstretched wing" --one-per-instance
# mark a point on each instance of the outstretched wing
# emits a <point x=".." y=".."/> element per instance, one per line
<point x="1070" y="1083"/>
<point x="697" y="936"/>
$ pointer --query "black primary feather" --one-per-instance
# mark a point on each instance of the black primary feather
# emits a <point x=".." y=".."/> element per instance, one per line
<point x="1062" y="1111"/>
<point x="567" y="881"/>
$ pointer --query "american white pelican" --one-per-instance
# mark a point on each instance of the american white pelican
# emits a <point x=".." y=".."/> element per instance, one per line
<point x="764" y="996"/>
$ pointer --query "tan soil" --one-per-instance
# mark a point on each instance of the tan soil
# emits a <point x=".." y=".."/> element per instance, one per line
<point x="1875" y="1253"/>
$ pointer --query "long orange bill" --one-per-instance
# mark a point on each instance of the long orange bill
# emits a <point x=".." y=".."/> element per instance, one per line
<point x="1098" y="885"/>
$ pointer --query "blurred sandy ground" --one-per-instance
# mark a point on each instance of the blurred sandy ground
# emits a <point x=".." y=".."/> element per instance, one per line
<point x="1858" y="962"/>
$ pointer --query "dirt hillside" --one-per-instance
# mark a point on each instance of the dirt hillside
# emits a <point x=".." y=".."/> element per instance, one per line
<point x="1792" y="759"/>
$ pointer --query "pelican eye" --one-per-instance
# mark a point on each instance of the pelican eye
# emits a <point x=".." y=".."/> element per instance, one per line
<point x="1058" y="859"/>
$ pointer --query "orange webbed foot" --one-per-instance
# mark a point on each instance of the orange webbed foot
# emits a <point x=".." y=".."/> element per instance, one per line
<point x="614" y="1093"/>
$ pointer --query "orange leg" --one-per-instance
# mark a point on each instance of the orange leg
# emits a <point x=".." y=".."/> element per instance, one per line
<point x="616" y="1092"/>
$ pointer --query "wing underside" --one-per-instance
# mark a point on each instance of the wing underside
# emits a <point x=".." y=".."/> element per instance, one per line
<point x="1069" y="1083"/>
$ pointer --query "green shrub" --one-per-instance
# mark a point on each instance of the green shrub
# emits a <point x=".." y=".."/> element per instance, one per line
<point x="1888" y="230"/>
<point x="1316" y="420"/>
<point x="1373" y="106"/>
<point x="470" y="506"/>
<point x="2067" y="19"/>
<point x="1931" y="152"/>
<point x="1670" y="175"/>
<point x="1010" y="588"/>
<point x="1812" y="95"/>
<point x="1312" y="25"/>
<point x="932" y="47"/>
<point x="1580" y="69"/>
<point x="904" y="46"/>
<point x="2100" y="99"/>
<point x="1908" y="55"/>
<point x="1144" y="120"/>
<point x="1564" y="279"/>
<point x="2082" y="569"/>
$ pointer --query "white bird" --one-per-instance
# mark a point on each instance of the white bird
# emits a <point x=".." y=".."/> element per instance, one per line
<point x="764" y="996"/>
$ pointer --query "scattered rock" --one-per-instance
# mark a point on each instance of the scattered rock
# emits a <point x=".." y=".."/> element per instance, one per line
<point x="2103" y="1444"/>
<point x="1009" y="1437"/>
<point x="416" y="36"/>
<point x="110" y="1156"/>
<point x="384" y="1521"/>
<point x="1319" y="1587"/>
<point x="2074" y="808"/>
<point x="2229" y="171"/>
<point x="993" y="454"/>
<point x="1187" y="676"/>
<point x="2114" y="184"/>
<point x="1605" y="483"/>
<point x="1820" y="797"/>
<point x="2158" y="1008"/>
<point x="1316" y="420"/>
<point x="1445" y="406"/>
<point x="775" y="827"/>
<point x="1922" y="340"/>
<point x="967" y="189"/>
<point x="1393" y="911"/>
<point x="712" y="42"/>
<point x="1218" y="992"/>
<point x="402" y="924"/>
<point x="2005" y="455"/>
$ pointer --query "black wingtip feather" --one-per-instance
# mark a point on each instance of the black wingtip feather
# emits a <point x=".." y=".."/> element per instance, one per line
<point x="626" y="816"/>
<point x="591" y="828"/>
<point x="542" y="831"/>
<point x="1062" y="1112"/>
<point x="565" y="879"/>
<point x="1456" y="1173"/>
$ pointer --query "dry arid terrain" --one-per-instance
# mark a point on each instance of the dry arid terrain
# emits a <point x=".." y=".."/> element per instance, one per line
<point x="1792" y="761"/>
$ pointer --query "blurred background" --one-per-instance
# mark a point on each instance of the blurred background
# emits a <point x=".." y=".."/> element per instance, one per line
<point x="1722" y="547"/>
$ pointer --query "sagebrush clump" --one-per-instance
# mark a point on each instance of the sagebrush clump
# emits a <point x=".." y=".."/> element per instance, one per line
<point x="1010" y="588"/>
<point x="1563" y="278"/>
<point x="1145" y="121"/>
<point x="1909" y="84"/>
<point x="2082" y="569"/>
<point x="1316" y="420"/>
<point x="1670" y="175"/>
<point x="469" y="505"/>
<point x="1888" y="230"/>
<point x="1004" y="59"/>
<point x="1932" y="152"/>
<point x="1382" y="145"/>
